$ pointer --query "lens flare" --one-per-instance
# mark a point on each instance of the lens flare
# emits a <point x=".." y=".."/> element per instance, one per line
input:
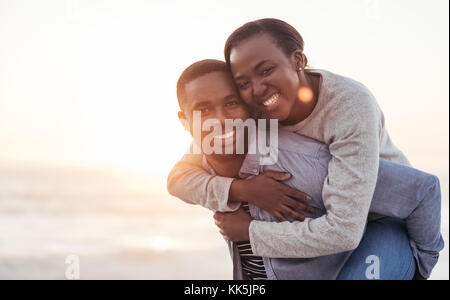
<point x="161" y="243"/>
<point x="305" y="94"/>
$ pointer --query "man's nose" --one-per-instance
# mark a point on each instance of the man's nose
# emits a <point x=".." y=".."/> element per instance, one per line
<point x="220" y="116"/>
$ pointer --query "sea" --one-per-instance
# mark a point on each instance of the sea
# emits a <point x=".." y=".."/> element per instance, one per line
<point x="116" y="224"/>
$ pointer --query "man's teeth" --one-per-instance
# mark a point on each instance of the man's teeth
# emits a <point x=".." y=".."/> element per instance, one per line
<point x="271" y="100"/>
<point x="225" y="136"/>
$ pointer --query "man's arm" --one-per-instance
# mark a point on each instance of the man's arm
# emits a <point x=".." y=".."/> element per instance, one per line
<point x="189" y="182"/>
<point x="192" y="184"/>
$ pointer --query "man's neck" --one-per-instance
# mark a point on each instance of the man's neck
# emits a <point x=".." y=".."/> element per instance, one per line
<point x="226" y="165"/>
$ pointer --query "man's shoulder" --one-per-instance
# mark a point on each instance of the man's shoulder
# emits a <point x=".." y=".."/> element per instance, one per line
<point x="299" y="144"/>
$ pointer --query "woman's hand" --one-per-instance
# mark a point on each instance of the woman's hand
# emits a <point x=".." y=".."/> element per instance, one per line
<point x="266" y="192"/>
<point x="234" y="226"/>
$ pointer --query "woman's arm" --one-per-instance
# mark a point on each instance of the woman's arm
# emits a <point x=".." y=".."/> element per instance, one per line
<point x="354" y="131"/>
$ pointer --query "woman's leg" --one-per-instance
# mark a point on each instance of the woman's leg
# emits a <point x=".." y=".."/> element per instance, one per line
<point x="384" y="253"/>
<point x="414" y="196"/>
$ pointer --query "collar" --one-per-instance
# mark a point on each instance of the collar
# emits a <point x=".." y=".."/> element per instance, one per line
<point x="251" y="165"/>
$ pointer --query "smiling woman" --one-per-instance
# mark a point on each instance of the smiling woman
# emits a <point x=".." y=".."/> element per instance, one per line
<point x="266" y="60"/>
<point x="92" y="84"/>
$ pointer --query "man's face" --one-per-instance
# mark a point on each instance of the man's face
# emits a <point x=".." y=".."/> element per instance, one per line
<point x="216" y="97"/>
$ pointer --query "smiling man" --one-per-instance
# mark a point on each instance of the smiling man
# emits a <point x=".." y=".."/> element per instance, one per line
<point x="207" y="87"/>
<point x="207" y="102"/>
<point x="297" y="248"/>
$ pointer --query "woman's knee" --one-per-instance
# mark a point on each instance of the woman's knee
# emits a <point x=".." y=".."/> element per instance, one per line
<point x="384" y="252"/>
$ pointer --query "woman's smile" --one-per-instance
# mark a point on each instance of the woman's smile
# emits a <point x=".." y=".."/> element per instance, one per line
<point x="271" y="102"/>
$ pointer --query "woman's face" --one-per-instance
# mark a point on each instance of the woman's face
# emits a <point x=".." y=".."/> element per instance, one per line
<point x="266" y="78"/>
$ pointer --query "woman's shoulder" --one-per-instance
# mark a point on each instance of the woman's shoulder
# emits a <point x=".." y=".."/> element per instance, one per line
<point x="343" y="95"/>
<point x="338" y="85"/>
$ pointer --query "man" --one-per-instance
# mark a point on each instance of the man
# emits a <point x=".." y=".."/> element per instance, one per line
<point x="262" y="248"/>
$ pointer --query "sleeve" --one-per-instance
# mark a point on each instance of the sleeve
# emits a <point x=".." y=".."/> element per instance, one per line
<point x="189" y="182"/>
<point x="347" y="190"/>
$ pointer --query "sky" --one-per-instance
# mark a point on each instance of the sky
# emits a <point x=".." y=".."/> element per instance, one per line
<point x="93" y="82"/>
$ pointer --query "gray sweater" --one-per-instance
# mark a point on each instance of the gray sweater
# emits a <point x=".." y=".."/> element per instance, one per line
<point x="401" y="192"/>
<point x="348" y="119"/>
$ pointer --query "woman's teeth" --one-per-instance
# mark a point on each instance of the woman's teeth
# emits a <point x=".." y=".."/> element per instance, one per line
<point x="272" y="100"/>
<point x="225" y="136"/>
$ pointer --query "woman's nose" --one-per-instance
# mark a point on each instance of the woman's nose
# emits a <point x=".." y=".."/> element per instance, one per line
<point x="259" y="88"/>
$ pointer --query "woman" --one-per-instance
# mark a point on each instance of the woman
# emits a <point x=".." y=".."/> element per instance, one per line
<point x="268" y="65"/>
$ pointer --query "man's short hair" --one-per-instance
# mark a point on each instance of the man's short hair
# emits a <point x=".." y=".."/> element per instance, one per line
<point x="195" y="71"/>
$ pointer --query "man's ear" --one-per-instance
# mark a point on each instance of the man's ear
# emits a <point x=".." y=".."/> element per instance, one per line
<point x="184" y="121"/>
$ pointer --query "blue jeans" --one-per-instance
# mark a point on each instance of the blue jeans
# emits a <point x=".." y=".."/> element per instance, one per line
<point x="384" y="253"/>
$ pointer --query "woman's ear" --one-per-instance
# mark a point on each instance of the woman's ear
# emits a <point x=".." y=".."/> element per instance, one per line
<point x="184" y="121"/>
<point x="299" y="59"/>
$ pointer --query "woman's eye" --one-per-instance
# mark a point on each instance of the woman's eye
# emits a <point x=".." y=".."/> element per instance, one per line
<point x="267" y="70"/>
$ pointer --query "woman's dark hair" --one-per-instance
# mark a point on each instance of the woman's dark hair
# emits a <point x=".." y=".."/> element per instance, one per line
<point x="284" y="35"/>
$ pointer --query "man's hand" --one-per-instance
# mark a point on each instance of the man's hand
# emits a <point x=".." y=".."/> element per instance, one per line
<point x="234" y="226"/>
<point x="266" y="192"/>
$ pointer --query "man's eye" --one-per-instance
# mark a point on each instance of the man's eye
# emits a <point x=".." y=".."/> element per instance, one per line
<point x="232" y="103"/>
<point x="204" y="110"/>
<point x="243" y="85"/>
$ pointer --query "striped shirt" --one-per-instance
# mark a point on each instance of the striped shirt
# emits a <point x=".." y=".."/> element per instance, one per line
<point x="252" y="266"/>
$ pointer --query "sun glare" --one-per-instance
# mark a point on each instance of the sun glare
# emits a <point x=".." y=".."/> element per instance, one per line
<point x="305" y="94"/>
<point x="161" y="243"/>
